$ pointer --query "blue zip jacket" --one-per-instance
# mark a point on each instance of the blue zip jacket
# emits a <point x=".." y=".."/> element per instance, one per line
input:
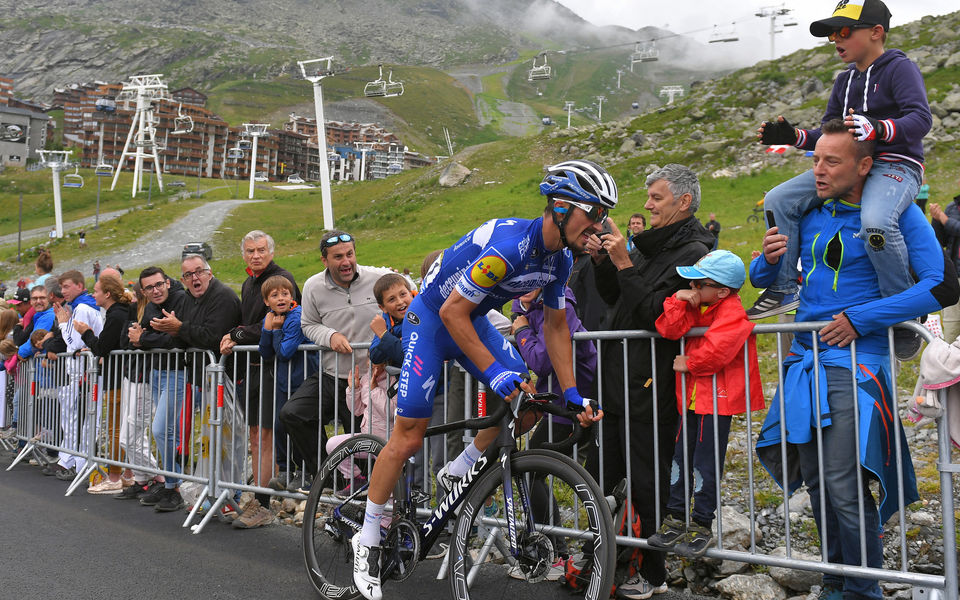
<point x="389" y="348"/>
<point x="41" y="320"/>
<point x="839" y="277"/>
<point x="283" y="343"/>
<point x="890" y="90"/>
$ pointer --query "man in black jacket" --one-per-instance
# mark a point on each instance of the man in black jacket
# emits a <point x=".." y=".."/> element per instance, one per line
<point x="636" y="284"/>
<point x="255" y="388"/>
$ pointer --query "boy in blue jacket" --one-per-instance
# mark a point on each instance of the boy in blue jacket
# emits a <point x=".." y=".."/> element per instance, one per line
<point x="393" y="295"/>
<point x="280" y="337"/>
<point x="881" y="97"/>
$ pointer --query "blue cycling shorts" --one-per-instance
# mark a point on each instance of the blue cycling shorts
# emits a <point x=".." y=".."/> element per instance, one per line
<point x="427" y="344"/>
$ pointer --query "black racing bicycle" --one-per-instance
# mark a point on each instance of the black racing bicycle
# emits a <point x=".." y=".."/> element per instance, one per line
<point x="504" y="544"/>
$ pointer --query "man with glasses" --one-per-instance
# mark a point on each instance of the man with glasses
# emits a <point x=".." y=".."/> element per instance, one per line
<point x="210" y="310"/>
<point x="640" y="424"/>
<point x="840" y="285"/>
<point x="338" y="305"/>
<point x="166" y="377"/>
<point x="42" y="318"/>
<point x="881" y="96"/>
<point x="501" y="260"/>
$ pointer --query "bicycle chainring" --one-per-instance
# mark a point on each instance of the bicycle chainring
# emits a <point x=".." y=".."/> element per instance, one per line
<point x="402" y="549"/>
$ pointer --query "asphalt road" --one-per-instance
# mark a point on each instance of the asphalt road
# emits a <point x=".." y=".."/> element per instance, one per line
<point x="89" y="546"/>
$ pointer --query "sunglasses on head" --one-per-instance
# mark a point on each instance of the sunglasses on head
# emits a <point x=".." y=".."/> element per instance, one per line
<point x="336" y="239"/>
<point x="844" y="32"/>
<point x="595" y="212"/>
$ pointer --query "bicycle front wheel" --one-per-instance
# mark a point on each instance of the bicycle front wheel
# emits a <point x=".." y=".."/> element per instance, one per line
<point x="334" y="513"/>
<point x="570" y="543"/>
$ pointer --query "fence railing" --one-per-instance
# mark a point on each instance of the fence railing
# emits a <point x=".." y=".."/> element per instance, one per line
<point x="189" y="417"/>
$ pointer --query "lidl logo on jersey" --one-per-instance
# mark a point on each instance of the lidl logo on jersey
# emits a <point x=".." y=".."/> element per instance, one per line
<point x="488" y="271"/>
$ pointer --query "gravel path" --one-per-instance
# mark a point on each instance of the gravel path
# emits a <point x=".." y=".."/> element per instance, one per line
<point x="43" y="232"/>
<point x="165" y="245"/>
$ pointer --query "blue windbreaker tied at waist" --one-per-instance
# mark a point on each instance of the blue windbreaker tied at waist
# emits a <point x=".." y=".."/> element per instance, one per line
<point x="879" y="424"/>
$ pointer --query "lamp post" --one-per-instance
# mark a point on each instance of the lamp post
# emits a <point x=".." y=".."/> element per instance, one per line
<point x="315" y="78"/>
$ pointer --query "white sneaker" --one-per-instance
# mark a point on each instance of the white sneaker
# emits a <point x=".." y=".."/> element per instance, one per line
<point x="554" y="573"/>
<point x="366" y="569"/>
<point x="638" y="588"/>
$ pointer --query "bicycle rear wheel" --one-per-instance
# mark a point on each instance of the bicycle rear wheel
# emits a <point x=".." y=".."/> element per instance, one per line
<point x="572" y="543"/>
<point x="334" y="513"/>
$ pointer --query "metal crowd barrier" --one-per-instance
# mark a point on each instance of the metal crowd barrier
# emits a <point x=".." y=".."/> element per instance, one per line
<point x="213" y="453"/>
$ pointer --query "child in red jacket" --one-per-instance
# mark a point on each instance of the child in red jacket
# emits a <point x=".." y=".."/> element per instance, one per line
<point x="712" y="366"/>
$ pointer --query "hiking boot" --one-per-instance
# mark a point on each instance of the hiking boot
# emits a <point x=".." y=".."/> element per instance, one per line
<point x="366" y="569"/>
<point x="446" y="481"/>
<point x="300" y="483"/>
<point x="64" y="474"/>
<point x="696" y="541"/>
<point x="152" y="494"/>
<point x="278" y="483"/>
<point x="906" y="344"/>
<point x="170" y="501"/>
<point x="254" y="515"/>
<point x="638" y="588"/>
<point x="670" y="532"/>
<point x="772" y="303"/>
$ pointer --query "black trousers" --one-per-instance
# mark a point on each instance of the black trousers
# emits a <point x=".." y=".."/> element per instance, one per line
<point x="318" y="401"/>
<point x="644" y="474"/>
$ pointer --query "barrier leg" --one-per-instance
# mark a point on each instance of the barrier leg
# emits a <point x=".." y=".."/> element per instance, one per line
<point x="81" y="476"/>
<point x="214" y="509"/>
<point x="30" y="447"/>
<point x="197" y="505"/>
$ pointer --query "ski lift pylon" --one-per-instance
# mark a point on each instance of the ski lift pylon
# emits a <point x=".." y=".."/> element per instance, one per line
<point x="183" y="123"/>
<point x="73" y="180"/>
<point x="539" y="72"/>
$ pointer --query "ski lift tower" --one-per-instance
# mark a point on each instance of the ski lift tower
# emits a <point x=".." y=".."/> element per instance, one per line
<point x="600" y="100"/>
<point x="148" y="90"/>
<point x="772" y="13"/>
<point x="363" y="148"/>
<point x="315" y="75"/>
<point x="255" y="131"/>
<point x="619" y="75"/>
<point x="671" y="91"/>
<point x="569" y="106"/>
<point x="56" y="160"/>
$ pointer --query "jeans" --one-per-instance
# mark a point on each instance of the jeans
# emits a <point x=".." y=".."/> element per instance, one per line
<point x="839" y="480"/>
<point x="702" y="474"/>
<point x="168" y="389"/>
<point x="888" y="191"/>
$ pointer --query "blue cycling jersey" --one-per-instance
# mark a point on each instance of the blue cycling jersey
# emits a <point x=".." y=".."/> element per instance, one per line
<point x="501" y="260"/>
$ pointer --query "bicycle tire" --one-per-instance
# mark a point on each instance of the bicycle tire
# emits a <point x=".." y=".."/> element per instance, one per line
<point x="327" y="553"/>
<point x="590" y="510"/>
<point x="753" y="219"/>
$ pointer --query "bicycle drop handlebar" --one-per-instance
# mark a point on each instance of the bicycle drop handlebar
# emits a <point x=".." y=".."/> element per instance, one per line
<point x="544" y="402"/>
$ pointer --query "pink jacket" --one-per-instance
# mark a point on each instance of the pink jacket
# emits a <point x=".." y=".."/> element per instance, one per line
<point x="371" y="401"/>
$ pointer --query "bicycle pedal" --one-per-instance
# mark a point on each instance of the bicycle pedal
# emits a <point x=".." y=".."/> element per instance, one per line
<point x="419" y="496"/>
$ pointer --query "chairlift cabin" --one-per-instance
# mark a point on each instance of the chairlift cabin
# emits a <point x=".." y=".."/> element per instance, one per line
<point x="635" y="105"/>
<point x="644" y="52"/>
<point x="244" y="144"/>
<point x="723" y="35"/>
<point x="539" y="72"/>
<point x="107" y="105"/>
<point x="379" y="88"/>
<point x="73" y="180"/>
<point x="183" y="123"/>
<point x="235" y="153"/>
<point x="103" y="170"/>
<point x="790" y="22"/>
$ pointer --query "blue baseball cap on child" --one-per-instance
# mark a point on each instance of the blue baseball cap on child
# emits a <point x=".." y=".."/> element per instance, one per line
<point x="722" y="266"/>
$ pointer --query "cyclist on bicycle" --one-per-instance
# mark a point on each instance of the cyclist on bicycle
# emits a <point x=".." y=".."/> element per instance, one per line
<point x="496" y="262"/>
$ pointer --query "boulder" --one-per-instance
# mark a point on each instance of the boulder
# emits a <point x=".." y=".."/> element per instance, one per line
<point x="639" y="138"/>
<point x="713" y="146"/>
<point x="736" y="526"/>
<point x="953" y="60"/>
<point x="811" y="86"/>
<point x="750" y="587"/>
<point x="817" y="60"/>
<point x="627" y="146"/>
<point x="453" y="175"/>
<point x="795" y="579"/>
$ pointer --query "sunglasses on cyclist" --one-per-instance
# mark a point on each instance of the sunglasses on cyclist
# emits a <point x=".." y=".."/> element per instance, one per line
<point x="336" y="239"/>
<point x="595" y="212"/>
<point x="843" y="33"/>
